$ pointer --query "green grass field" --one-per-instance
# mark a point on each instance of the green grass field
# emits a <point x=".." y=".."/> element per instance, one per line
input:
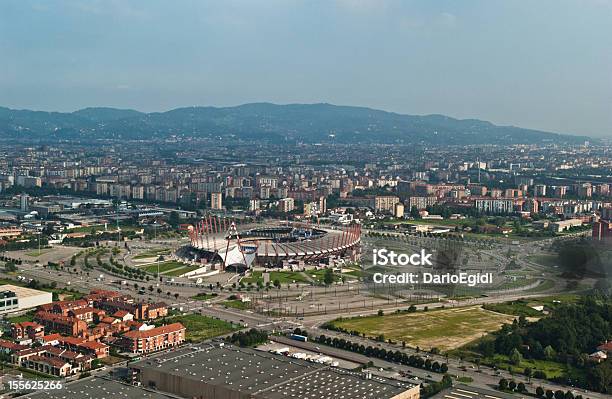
<point x="153" y="253"/>
<point x="523" y="307"/>
<point x="164" y="266"/>
<point x="19" y="319"/>
<point x="170" y="268"/>
<point x="516" y="308"/>
<point x="443" y="329"/>
<point x="178" y="272"/>
<point x="200" y="328"/>
<point x="237" y="304"/>
<point x="283" y="277"/>
<point x="552" y="369"/>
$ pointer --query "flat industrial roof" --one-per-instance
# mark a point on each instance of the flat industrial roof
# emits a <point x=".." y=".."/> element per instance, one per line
<point x="22" y="292"/>
<point x="99" y="388"/>
<point x="268" y="375"/>
<point x="467" y="392"/>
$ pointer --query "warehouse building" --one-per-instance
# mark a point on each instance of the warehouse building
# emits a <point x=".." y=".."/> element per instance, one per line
<point x="99" y="388"/>
<point x="15" y="299"/>
<point x="462" y="391"/>
<point x="228" y="372"/>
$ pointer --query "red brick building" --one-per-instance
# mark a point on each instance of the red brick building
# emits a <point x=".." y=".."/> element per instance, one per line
<point x="85" y="314"/>
<point x="27" y="329"/>
<point x="62" y="324"/>
<point x="63" y="307"/>
<point x="154" y="339"/>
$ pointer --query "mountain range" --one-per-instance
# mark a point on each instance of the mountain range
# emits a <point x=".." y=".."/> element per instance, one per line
<point x="265" y="122"/>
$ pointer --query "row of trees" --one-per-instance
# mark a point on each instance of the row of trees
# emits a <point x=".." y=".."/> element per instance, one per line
<point x="505" y="385"/>
<point x="383" y="354"/>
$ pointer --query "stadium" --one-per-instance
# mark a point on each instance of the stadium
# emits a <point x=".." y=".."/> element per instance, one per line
<point x="232" y="245"/>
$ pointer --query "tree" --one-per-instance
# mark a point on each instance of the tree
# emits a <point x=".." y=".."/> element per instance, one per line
<point x="515" y="357"/>
<point x="277" y="283"/>
<point x="528" y="373"/>
<point x="540" y="391"/>
<point x="559" y="394"/>
<point x="549" y="353"/>
<point x="521" y="387"/>
<point x="414" y="212"/>
<point x="380" y="312"/>
<point x="328" y="277"/>
<point x="503" y="384"/>
<point x="549" y="394"/>
<point x="174" y="219"/>
<point x="10" y="267"/>
<point x="512" y="385"/>
<point x="443" y="368"/>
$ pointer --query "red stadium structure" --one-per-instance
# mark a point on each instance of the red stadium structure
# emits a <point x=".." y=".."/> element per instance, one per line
<point x="221" y="240"/>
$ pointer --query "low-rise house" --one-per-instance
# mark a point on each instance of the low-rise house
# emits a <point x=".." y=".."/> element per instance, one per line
<point x="51" y="339"/>
<point x="27" y="329"/>
<point x="48" y="365"/>
<point x="95" y="349"/>
<point x="8" y="347"/>
<point x="123" y="315"/>
<point x="91" y="348"/>
<point x="85" y="314"/>
<point x="606" y="347"/>
<point x="598" y="356"/>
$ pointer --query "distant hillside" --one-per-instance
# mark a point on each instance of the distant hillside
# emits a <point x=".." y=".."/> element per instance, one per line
<point x="103" y="114"/>
<point x="270" y="122"/>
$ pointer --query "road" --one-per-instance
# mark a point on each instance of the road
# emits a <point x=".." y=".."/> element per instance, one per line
<point x="484" y="378"/>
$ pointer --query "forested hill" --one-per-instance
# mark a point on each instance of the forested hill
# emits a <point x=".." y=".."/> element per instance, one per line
<point x="313" y="123"/>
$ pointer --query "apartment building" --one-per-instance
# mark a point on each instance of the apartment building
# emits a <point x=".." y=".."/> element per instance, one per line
<point x="494" y="206"/>
<point x="154" y="339"/>
<point x="63" y="324"/>
<point x="286" y="205"/>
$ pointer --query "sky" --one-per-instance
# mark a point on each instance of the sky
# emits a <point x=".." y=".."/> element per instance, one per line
<point x="544" y="64"/>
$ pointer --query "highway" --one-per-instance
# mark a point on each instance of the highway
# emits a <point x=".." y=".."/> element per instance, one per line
<point x="484" y="377"/>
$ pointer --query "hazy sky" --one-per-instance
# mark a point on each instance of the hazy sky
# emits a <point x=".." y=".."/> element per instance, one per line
<point x="543" y="64"/>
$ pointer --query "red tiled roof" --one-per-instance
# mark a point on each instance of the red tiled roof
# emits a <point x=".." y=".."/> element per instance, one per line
<point x="82" y="310"/>
<point x="72" y="340"/>
<point x="11" y="345"/>
<point x="51" y="337"/>
<point x="93" y="345"/>
<point x="26" y="324"/>
<point x="605" y="347"/>
<point x="57" y="318"/>
<point x="170" y="328"/>
<point x="121" y="314"/>
<point x="52" y="361"/>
